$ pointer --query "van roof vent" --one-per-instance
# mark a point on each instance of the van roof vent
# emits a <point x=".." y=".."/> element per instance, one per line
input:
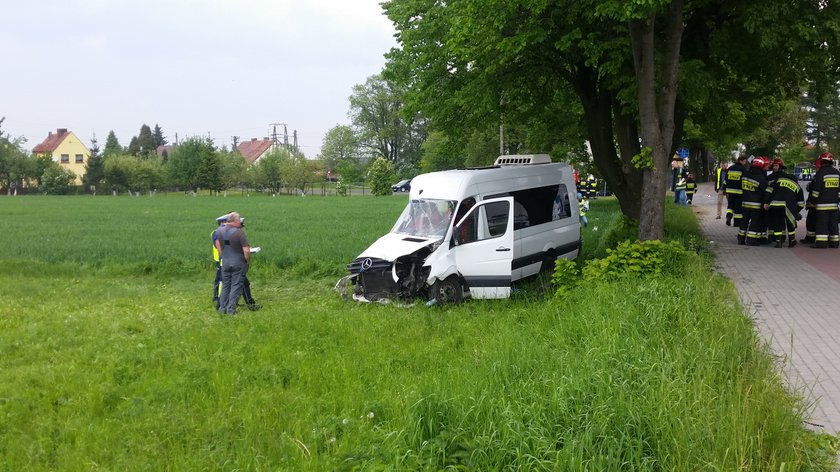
<point x="522" y="159"/>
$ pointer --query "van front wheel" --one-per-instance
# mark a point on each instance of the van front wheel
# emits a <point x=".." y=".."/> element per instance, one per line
<point x="448" y="290"/>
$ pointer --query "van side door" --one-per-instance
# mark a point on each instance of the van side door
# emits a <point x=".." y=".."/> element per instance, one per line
<point x="483" y="250"/>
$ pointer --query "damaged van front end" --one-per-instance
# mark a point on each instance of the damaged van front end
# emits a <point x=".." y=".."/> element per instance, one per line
<point x="431" y="254"/>
<point x="397" y="266"/>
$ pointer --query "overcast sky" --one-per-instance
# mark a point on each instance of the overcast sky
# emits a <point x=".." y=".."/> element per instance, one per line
<point x="223" y="67"/>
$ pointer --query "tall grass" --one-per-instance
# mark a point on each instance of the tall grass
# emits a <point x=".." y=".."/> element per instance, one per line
<point x="105" y="365"/>
<point x="171" y="234"/>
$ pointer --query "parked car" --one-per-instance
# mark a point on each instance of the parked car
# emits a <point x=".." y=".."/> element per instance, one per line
<point x="402" y="186"/>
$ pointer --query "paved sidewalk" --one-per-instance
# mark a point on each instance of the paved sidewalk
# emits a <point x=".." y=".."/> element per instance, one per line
<point x="793" y="296"/>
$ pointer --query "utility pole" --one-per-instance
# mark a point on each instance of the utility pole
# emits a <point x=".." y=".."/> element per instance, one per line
<point x="274" y="136"/>
<point x="294" y="134"/>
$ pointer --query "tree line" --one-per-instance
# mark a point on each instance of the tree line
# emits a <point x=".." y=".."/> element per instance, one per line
<point x="196" y="163"/>
<point x="612" y="85"/>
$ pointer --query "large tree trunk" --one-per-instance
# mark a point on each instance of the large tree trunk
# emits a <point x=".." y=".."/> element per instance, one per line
<point x="627" y="136"/>
<point x="623" y="179"/>
<point x="656" y="117"/>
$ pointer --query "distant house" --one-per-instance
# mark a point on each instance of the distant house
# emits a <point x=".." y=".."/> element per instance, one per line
<point x="66" y="149"/>
<point x="255" y="149"/>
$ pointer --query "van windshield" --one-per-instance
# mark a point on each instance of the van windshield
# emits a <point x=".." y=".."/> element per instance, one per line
<point x="425" y="218"/>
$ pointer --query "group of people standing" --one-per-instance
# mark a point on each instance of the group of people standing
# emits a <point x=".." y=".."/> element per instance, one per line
<point x="765" y="206"/>
<point x="232" y="254"/>
<point x="588" y="188"/>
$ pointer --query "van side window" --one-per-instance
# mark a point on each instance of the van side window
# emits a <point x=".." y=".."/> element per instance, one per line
<point x="494" y="224"/>
<point x="562" y="207"/>
<point x="520" y="216"/>
<point x="536" y="206"/>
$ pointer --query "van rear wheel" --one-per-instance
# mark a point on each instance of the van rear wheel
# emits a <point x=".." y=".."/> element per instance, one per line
<point x="548" y="262"/>
<point x="448" y="290"/>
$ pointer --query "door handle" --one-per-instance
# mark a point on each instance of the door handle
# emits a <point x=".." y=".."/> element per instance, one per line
<point x="503" y="249"/>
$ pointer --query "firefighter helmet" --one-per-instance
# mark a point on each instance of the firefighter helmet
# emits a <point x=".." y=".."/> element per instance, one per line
<point x="761" y="162"/>
<point x="824" y="158"/>
<point x="779" y="162"/>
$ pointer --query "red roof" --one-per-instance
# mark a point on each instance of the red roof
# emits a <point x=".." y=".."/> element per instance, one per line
<point x="52" y="142"/>
<point x="253" y="149"/>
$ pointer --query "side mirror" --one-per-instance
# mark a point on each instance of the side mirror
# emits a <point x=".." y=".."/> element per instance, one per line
<point x="456" y="236"/>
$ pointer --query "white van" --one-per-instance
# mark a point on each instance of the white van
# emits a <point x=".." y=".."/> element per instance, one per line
<point x="472" y="232"/>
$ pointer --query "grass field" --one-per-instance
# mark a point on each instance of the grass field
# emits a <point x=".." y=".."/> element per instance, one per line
<point x="112" y="357"/>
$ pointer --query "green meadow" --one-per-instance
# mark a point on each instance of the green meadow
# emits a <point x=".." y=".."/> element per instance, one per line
<point x="113" y="358"/>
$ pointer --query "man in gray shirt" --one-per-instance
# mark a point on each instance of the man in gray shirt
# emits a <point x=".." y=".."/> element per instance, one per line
<point x="232" y="244"/>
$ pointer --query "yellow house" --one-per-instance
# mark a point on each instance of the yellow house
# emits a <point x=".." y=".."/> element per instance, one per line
<point x="66" y="149"/>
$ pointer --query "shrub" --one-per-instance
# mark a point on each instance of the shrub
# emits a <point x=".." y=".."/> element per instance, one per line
<point x="341" y="188"/>
<point x="380" y="175"/>
<point x="639" y="258"/>
<point x="56" y="180"/>
<point x="566" y="276"/>
<point x="624" y="229"/>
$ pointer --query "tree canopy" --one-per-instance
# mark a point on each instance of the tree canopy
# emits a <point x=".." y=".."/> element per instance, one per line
<point x="382" y="125"/>
<point x="95" y="167"/>
<point x="340" y="144"/>
<point x="195" y="164"/>
<point x="112" y="145"/>
<point x="627" y="73"/>
<point x="16" y="164"/>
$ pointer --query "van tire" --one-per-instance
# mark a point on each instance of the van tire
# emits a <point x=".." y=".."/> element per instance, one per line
<point x="448" y="290"/>
<point x="547" y="266"/>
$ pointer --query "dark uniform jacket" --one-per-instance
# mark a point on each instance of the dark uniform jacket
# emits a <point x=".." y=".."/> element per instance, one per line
<point x="754" y="188"/>
<point x="786" y="192"/>
<point x="825" y="189"/>
<point x="690" y="186"/>
<point x="733" y="178"/>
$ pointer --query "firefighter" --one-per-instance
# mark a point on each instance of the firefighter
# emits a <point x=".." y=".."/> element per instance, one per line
<point x="753" y="228"/>
<point x="810" y="235"/>
<point x="786" y="203"/>
<point x="592" y="187"/>
<point x="720" y="186"/>
<point x="733" y="191"/>
<point x="824" y="198"/>
<point x="775" y="169"/>
<point x="583" y="187"/>
<point x="690" y="188"/>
